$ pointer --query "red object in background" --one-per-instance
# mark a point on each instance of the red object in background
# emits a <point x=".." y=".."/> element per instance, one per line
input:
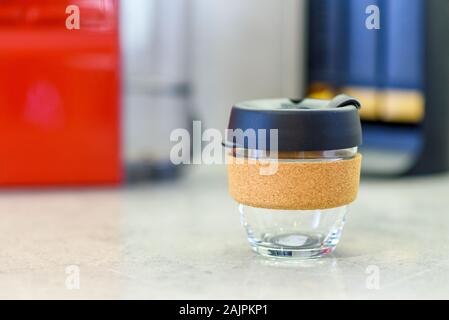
<point x="59" y="94"/>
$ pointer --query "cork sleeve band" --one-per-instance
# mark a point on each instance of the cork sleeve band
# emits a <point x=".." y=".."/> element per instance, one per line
<point x="296" y="185"/>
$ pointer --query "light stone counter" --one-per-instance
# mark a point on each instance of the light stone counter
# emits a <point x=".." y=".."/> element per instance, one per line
<point x="183" y="240"/>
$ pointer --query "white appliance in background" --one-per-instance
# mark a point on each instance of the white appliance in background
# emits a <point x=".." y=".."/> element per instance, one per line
<point x="221" y="51"/>
<point x="244" y="50"/>
<point x="155" y="45"/>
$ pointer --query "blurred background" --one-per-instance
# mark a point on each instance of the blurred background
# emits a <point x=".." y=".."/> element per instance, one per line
<point x="97" y="105"/>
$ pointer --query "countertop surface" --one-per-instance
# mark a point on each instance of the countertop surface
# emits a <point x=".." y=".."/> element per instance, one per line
<point x="183" y="240"/>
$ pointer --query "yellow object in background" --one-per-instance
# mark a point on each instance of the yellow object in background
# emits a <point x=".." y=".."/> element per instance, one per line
<point x="320" y="90"/>
<point x="390" y="105"/>
<point x="405" y="106"/>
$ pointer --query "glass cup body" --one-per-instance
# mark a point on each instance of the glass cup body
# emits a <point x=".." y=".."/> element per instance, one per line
<point x="293" y="233"/>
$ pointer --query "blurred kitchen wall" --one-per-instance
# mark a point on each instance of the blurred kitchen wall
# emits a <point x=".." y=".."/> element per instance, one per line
<point x="190" y="60"/>
<point x="245" y="50"/>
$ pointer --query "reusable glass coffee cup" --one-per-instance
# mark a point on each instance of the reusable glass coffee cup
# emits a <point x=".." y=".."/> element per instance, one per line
<point x="294" y="167"/>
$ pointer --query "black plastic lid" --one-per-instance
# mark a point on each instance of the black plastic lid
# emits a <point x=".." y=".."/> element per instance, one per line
<point x="303" y="125"/>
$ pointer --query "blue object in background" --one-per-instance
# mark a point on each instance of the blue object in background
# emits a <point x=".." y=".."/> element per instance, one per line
<point x="389" y="62"/>
<point x="402" y="44"/>
<point x="343" y="52"/>
<point x="363" y="46"/>
<point x="327" y="41"/>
